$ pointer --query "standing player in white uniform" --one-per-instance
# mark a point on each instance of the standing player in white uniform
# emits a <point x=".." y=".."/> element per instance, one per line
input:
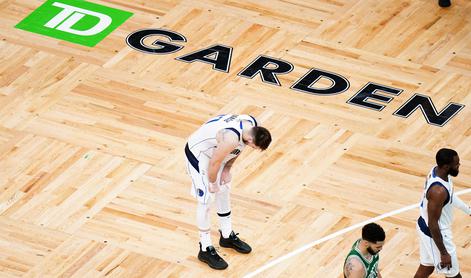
<point x="437" y="250"/>
<point x="210" y="153"/>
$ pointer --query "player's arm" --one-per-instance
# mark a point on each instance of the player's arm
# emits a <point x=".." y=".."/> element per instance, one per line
<point x="226" y="176"/>
<point x="436" y="197"/>
<point x="354" y="268"/>
<point x="229" y="164"/>
<point x="458" y="203"/>
<point x="227" y="140"/>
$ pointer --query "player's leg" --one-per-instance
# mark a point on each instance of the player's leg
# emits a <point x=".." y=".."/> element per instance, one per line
<point x="200" y="191"/>
<point x="424" y="271"/>
<point x="223" y="206"/>
<point x="207" y="253"/>
<point x="229" y="238"/>
<point x="427" y="265"/>
<point x="454" y="271"/>
<point x="204" y="224"/>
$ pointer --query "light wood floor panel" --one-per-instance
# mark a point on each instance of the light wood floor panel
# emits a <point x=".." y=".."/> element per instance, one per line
<point x="92" y="171"/>
<point x="461" y="62"/>
<point x="20" y="250"/>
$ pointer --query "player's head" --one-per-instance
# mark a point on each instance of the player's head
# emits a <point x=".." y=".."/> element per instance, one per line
<point x="259" y="138"/>
<point x="374" y="237"/>
<point x="448" y="160"/>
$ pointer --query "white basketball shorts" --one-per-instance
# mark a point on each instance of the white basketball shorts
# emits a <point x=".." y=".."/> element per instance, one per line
<point x="430" y="256"/>
<point x="199" y="180"/>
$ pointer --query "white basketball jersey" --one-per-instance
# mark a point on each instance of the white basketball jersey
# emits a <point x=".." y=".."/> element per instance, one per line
<point x="446" y="218"/>
<point x="203" y="140"/>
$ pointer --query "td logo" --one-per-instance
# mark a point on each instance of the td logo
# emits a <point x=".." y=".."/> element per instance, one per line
<point x="75" y="21"/>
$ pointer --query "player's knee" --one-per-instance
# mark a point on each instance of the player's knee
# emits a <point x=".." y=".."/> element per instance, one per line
<point x="223" y="203"/>
<point x="424" y="271"/>
<point x="202" y="206"/>
<point x="421" y="275"/>
<point x="224" y="189"/>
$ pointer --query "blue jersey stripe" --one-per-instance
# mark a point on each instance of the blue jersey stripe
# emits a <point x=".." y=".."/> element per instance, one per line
<point x="191" y="158"/>
<point x="423" y="226"/>
<point x="254" y="121"/>
<point x="215" y="119"/>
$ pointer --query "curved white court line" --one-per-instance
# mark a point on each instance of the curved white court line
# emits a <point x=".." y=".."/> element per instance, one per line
<point x="331" y="236"/>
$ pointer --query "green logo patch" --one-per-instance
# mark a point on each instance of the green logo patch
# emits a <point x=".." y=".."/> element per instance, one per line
<point x="75" y="21"/>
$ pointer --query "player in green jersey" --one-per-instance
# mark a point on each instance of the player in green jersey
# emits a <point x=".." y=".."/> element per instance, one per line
<point x="362" y="261"/>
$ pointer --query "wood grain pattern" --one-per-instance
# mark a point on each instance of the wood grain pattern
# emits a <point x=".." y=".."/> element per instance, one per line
<point x="92" y="173"/>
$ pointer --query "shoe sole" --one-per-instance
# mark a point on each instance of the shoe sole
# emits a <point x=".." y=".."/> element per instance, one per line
<point x="213" y="267"/>
<point x="235" y="248"/>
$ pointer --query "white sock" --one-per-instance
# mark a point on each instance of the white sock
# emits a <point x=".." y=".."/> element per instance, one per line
<point x="223" y="205"/>
<point x="225" y="224"/>
<point x="204" y="225"/>
<point x="205" y="239"/>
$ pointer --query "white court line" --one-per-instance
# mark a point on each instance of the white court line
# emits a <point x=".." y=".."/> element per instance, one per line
<point x="331" y="236"/>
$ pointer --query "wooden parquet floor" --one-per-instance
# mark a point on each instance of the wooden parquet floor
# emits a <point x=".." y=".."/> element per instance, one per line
<point x="92" y="171"/>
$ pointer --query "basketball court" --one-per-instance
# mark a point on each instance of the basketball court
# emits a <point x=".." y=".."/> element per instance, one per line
<point x="358" y="96"/>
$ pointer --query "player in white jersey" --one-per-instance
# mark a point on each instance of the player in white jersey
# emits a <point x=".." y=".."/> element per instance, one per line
<point x="210" y="153"/>
<point x="437" y="250"/>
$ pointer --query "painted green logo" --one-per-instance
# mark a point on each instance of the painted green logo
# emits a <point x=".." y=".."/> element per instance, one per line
<point x="75" y="21"/>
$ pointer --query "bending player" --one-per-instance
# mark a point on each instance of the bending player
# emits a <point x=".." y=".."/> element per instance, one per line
<point x="211" y="151"/>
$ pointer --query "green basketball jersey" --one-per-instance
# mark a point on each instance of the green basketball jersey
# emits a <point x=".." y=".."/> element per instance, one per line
<point x="371" y="266"/>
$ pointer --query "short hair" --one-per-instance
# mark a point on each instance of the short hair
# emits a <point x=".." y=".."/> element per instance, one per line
<point x="261" y="136"/>
<point x="445" y="156"/>
<point x="373" y="232"/>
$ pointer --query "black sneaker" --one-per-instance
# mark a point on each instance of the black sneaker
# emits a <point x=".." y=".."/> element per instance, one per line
<point x="234" y="242"/>
<point x="211" y="257"/>
<point x="444" y="3"/>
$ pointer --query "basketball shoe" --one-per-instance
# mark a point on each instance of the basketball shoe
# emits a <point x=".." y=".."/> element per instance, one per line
<point x="234" y="242"/>
<point x="212" y="258"/>
<point x="444" y="3"/>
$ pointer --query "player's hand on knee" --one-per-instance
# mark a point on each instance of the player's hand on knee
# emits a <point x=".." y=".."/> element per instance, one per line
<point x="226" y="177"/>
<point x="213" y="187"/>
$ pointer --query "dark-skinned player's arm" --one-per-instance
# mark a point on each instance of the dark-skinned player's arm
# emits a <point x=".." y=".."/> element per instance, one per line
<point x="436" y="197"/>
<point x="227" y="141"/>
